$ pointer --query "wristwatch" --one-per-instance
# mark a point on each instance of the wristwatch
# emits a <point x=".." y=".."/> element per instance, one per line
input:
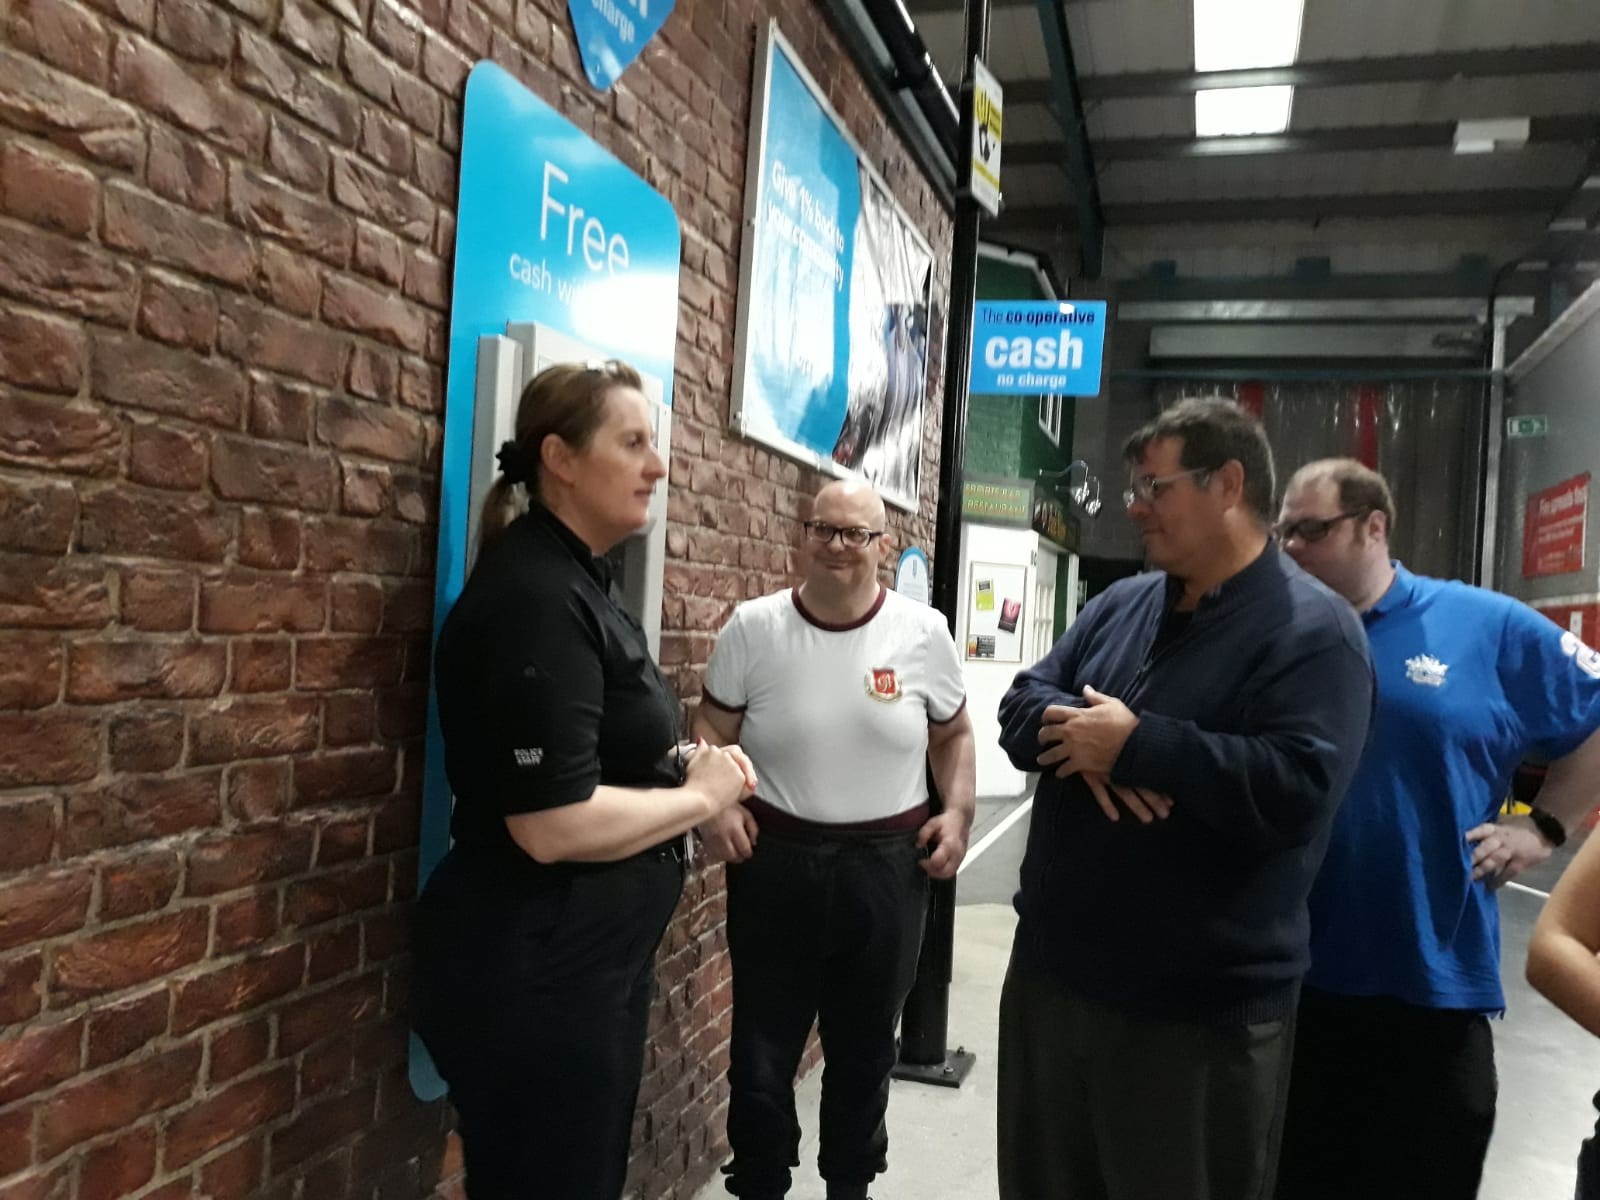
<point x="1549" y="827"/>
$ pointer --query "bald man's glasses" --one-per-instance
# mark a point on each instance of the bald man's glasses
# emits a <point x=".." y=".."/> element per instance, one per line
<point x="854" y="536"/>
<point x="1314" y="529"/>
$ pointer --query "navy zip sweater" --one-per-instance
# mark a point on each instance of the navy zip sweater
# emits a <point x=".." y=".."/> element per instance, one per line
<point x="1252" y="719"/>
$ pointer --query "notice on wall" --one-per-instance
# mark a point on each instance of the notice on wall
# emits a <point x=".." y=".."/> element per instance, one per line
<point x="831" y="353"/>
<point x="994" y="611"/>
<point x="1554" y="525"/>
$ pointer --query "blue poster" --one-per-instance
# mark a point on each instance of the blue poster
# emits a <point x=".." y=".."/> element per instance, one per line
<point x="1037" y="347"/>
<point x="550" y="228"/>
<point x="611" y="33"/>
<point x="832" y="354"/>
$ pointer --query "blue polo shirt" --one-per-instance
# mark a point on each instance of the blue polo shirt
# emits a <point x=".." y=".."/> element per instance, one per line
<point x="1469" y="682"/>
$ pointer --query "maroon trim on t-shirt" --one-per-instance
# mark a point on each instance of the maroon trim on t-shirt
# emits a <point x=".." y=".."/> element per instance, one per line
<point x="856" y="624"/>
<point x="777" y="819"/>
<point x="951" y="717"/>
<point x="727" y="708"/>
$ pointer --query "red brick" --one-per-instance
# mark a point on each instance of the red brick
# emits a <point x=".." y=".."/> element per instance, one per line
<point x="257" y="203"/>
<point x="117" y="1030"/>
<point x="130" y="955"/>
<point x="142" y="374"/>
<point x="63" y="36"/>
<point x="248" y="470"/>
<point x="382" y="199"/>
<point x="16" y="1140"/>
<point x="280" y="410"/>
<point x="186" y="171"/>
<point x="297" y="156"/>
<point x="27" y="834"/>
<point x="374" y="374"/>
<point x="39" y="352"/>
<point x="158" y="601"/>
<point x="310" y="31"/>
<point x="235" y="1174"/>
<point x="232" y="1112"/>
<point x="269" y="539"/>
<point x="257" y="791"/>
<point x="428" y="279"/>
<point x="370" y="71"/>
<point x="341" y="839"/>
<point x="395" y="37"/>
<point x="145" y="742"/>
<point x="344" y="544"/>
<point x="364" y="490"/>
<point x="350" y="304"/>
<point x="357" y="607"/>
<point x="267" y="71"/>
<point x="47" y="190"/>
<point x="75" y="116"/>
<point x="179" y="313"/>
<point x="421" y="386"/>
<point x="414" y="498"/>
<point x="348" y="719"/>
<point x="40" y="1058"/>
<point x="262" y="604"/>
<point x="260" y="665"/>
<point x="379" y="254"/>
<point x="239" y="729"/>
<point x="436" y="174"/>
<point x="194" y="29"/>
<point x="47" y="1183"/>
<point x="167" y="458"/>
<point x="372" y="429"/>
<point x="336" y="894"/>
<point x="326" y="1067"/>
<point x="130" y="887"/>
<point x="35" y="432"/>
<point x="21" y="989"/>
<point x="132" y="522"/>
<point x="119" y="1168"/>
<point x="117" y="1099"/>
<point x="333" y="954"/>
<point x="239" y="1048"/>
<point x="30" y="670"/>
<point x="333" y="663"/>
<point x="225" y="862"/>
<point x="320" y="1125"/>
<point x="386" y="141"/>
<point x="164" y="233"/>
<point x="43" y="906"/>
<point x="386" y="935"/>
<point x="341" y="776"/>
<point x="156" y="82"/>
<point x="238" y="988"/>
<point x="102" y="672"/>
<point x="259" y="337"/>
<point x="46" y="749"/>
<point x="397" y="823"/>
<point x="138" y="808"/>
<point x="288" y="281"/>
<point x="334" y="1011"/>
<point x="246" y="922"/>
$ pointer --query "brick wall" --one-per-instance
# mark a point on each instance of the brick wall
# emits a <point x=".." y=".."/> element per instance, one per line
<point x="224" y="274"/>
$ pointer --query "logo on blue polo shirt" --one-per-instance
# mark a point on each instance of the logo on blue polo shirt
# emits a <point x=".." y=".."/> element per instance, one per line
<point x="1426" y="669"/>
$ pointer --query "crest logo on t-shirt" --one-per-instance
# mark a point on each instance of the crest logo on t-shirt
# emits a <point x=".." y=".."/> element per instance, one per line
<point x="882" y="684"/>
<point x="1426" y="669"/>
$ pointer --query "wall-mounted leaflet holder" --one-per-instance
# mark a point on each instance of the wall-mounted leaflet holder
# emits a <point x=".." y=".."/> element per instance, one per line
<point x="505" y="364"/>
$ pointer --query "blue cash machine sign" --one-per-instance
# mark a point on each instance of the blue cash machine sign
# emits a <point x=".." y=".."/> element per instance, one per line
<point x="552" y="229"/>
<point x="612" y="32"/>
<point x="1037" y="347"/>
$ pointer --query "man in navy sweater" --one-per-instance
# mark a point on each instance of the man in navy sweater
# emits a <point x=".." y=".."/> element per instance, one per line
<point x="1197" y="726"/>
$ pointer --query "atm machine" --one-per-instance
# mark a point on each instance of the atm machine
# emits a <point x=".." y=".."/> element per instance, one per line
<point x="505" y="364"/>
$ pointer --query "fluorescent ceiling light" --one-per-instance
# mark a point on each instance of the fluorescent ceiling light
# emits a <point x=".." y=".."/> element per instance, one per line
<point x="1485" y="137"/>
<point x="1235" y="34"/>
<point x="1231" y="112"/>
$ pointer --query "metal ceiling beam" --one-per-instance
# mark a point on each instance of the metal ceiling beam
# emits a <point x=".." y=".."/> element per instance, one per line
<point x="1575" y="129"/>
<point x="1532" y="201"/>
<point x="1345" y="72"/>
<point x="1068" y="103"/>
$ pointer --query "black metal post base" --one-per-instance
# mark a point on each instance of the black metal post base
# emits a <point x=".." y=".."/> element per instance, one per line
<point x="950" y="1073"/>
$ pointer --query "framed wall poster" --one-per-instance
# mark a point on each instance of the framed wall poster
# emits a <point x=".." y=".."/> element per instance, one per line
<point x="835" y="282"/>
<point x="995" y="601"/>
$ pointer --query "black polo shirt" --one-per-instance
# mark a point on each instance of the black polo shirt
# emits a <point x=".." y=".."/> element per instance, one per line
<point x="546" y="686"/>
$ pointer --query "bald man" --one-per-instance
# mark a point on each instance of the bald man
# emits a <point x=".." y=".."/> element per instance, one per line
<point x="842" y="692"/>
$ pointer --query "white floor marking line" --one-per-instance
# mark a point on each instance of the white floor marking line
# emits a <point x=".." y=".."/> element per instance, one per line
<point x="1522" y="887"/>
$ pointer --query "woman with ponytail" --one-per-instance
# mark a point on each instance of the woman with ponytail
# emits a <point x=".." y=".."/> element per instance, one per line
<point x="573" y="797"/>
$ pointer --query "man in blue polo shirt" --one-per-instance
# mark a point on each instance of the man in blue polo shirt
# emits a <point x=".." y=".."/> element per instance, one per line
<point x="1393" y="1086"/>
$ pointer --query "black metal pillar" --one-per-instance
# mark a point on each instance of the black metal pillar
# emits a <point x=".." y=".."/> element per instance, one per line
<point x="924" y="1054"/>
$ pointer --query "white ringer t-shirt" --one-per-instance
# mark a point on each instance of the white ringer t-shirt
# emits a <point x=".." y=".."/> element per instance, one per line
<point x="836" y="717"/>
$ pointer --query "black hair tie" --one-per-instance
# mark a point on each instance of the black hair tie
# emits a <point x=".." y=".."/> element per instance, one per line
<point x="514" y="463"/>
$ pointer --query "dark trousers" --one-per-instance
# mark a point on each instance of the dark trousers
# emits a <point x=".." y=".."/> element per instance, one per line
<point x="533" y="1001"/>
<point x="1097" y="1104"/>
<point x="828" y="930"/>
<point x="1589" y="1163"/>
<point x="1388" y="1101"/>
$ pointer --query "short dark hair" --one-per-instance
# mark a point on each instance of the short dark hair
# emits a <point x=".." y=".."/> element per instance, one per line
<point x="1214" y="432"/>
<point x="1361" y="489"/>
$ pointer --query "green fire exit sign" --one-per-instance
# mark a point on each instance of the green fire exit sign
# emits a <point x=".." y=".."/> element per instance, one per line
<point x="1527" y="427"/>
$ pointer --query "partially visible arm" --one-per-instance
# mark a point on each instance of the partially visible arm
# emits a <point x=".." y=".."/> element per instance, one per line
<point x="1047" y="682"/>
<point x="1561" y="956"/>
<point x="1571" y="788"/>
<point x="717" y="725"/>
<point x="730" y="835"/>
<point x="952" y="752"/>
<point x="1504" y="849"/>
